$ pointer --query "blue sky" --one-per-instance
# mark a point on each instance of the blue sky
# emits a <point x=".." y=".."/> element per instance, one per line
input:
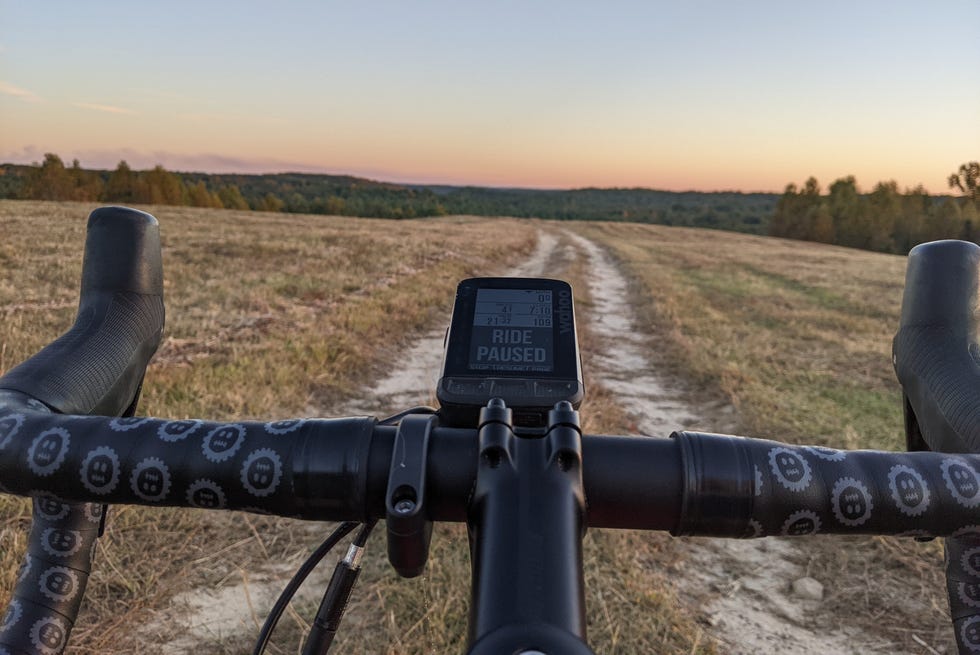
<point x="700" y="95"/>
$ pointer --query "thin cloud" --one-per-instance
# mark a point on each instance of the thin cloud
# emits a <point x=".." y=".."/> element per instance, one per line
<point x="17" y="92"/>
<point x="106" y="108"/>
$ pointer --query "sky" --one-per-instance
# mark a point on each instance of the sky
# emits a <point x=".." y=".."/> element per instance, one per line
<point x="692" y="95"/>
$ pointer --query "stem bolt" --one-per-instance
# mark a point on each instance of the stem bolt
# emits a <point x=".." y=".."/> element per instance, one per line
<point x="405" y="506"/>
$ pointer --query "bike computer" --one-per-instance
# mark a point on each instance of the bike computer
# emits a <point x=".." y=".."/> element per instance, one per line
<point x="510" y="338"/>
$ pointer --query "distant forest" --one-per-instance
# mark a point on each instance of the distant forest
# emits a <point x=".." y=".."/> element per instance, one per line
<point x="352" y="196"/>
<point x="886" y="219"/>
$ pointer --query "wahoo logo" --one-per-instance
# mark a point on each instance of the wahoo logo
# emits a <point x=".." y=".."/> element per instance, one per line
<point x="564" y="311"/>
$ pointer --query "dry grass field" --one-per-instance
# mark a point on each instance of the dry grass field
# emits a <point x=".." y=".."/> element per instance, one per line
<point x="274" y="315"/>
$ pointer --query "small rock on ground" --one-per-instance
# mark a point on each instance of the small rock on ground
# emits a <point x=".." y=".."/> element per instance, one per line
<point x="808" y="588"/>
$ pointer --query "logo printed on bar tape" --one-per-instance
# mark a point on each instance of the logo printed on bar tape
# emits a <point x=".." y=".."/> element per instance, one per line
<point x="800" y="523"/>
<point x="790" y="468"/>
<point x="962" y="481"/>
<point x="223" y="442"/>
<point x="284" y="427"/>
<point x="61" y="543"/>
<point x="10" y="619"/>
<point x="48" y="635"/>
<point x="851" y="502"/>
<point x="9" y="426"/>
<point x="25" y="568"/>
<point x="970" y="633"/>
<point x="970" y="561"/>
<point x="206" y="494"/>
<point x="261" y="472"/>
<point x="909" y="490"/>
<point x="93" y="512"/>
<point x="968" y="531"/>
<point x="969" y="593"/>
<point x="127" y="423"/>
<point x="100" y="470"/>
<point x="151" y="479"/>
<point x="829" y="454"/>
<point x="59" y="583"/>
<point x="50" y="508"/>
<point x="48" y="451"/>
<point x="173" y="431"/>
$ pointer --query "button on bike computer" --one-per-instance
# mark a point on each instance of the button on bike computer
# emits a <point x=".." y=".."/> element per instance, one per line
<point x="510" y="338"/>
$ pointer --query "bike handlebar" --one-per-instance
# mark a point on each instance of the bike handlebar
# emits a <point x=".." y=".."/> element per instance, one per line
<point x="337" y="470"/>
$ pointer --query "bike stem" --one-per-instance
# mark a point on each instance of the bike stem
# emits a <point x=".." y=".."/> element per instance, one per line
<point x="526" y="523"/>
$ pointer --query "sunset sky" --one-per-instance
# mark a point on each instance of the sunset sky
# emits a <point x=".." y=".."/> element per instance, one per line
<point x="683" y="95"/>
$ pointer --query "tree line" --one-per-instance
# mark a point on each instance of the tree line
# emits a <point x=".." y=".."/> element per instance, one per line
<point x="52" y="180"/>
<point x="290" y="192"/>
<point x="351" y="196"/>
<point x="884" y="220"/>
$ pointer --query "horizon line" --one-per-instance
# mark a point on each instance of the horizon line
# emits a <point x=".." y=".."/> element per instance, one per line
<point x="415" y="183"/>
<point x="211" y="164"/>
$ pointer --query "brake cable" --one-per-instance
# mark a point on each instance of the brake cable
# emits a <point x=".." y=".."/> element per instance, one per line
<point x="334" y="601"/>
<point x="298" y="578"/>
<point x="335" y="598"/>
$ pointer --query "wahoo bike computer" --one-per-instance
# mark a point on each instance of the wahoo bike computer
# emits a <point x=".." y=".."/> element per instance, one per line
<point x="514" y="339"/>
